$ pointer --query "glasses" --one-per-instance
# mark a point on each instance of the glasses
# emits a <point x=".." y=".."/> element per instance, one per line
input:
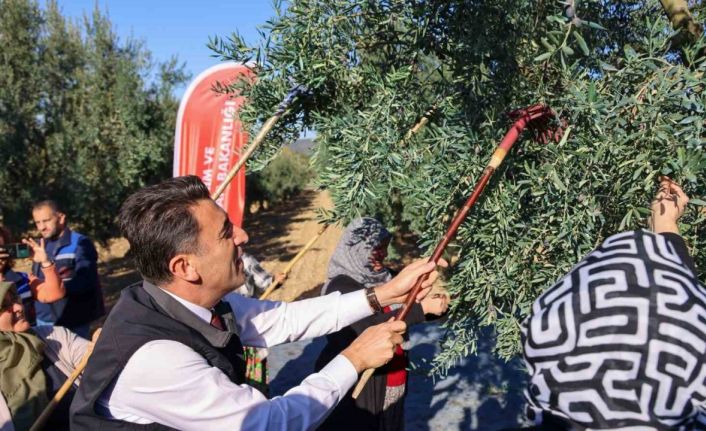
<point x="11" y="298"/>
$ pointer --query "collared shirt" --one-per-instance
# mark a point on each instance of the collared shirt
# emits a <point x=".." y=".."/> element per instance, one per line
<point x="169" y="383"/>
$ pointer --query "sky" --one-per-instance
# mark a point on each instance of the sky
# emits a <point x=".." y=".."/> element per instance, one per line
<point x="178" y="27"/>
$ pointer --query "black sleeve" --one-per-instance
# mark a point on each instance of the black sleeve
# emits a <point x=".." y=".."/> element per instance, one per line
<point x="680" y="247"/>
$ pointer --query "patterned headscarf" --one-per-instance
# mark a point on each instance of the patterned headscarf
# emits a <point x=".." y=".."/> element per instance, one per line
<point x="620" y="341"/>
<point x="353" y="252"/>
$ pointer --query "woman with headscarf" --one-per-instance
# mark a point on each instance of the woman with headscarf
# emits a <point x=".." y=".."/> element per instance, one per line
<point x="29" y="287"/>
<point x="34" y="363"/>
<point x="620" y="341"/>
<point x="358" y="263"/>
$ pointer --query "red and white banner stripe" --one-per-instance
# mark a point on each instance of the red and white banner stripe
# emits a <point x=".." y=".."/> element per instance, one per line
<point x="209" y="135"/>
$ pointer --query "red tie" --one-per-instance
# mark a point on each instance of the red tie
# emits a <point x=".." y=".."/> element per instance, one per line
<point x="217" y="322"/>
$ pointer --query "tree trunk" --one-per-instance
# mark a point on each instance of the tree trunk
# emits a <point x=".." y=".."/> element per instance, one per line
<point x="678" y="13"/>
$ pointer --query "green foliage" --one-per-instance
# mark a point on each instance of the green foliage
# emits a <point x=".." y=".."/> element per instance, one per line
<point x="633" y="104"/>
<point x="84" y="117"/>
<point x="283" y="178"/>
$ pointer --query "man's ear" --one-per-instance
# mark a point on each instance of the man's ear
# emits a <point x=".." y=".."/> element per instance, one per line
<point x="62" y="218"/>
<point x="181" y="267"/>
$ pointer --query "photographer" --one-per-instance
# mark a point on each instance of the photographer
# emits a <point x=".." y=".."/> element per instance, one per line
<point x="29" y="287"/>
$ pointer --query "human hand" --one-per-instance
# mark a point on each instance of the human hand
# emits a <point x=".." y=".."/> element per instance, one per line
<point x="395" y="291"/>
<point x="39" y="253"/>
<point x="376" y="345"/>
<point x="436" y="303"/>
<point x="667" y="207"/>
<point x="280" y="277"/>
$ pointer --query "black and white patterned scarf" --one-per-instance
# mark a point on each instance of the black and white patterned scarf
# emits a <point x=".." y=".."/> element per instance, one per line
<point x="620" y="341"/>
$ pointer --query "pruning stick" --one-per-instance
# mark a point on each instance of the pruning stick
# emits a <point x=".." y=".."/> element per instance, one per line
<point x="524" y="118"/>
<point x="293" y="262"/>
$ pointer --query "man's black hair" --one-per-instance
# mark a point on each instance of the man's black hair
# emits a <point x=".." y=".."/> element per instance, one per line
<point x="51" y="203"/>
<point x="158" y="223"/>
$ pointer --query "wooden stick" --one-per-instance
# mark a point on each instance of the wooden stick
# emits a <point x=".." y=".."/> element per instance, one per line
<point x="282" y="109"/>
<point x="294" y="261"/>
<point x="418" y="126"/>
<point x="524" y="117"/>
<point x="49" y="409"/>
<point x="269" y="124"/>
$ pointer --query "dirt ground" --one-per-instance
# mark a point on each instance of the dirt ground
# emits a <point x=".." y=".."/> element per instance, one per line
<point x="277" y="235"/>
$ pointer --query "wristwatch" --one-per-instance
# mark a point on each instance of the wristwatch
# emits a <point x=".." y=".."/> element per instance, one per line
<point x="373" y="299"/>
<point x="51" y="263"/>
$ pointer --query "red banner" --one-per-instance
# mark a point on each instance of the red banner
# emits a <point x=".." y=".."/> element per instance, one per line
<point x="209" y="135"/>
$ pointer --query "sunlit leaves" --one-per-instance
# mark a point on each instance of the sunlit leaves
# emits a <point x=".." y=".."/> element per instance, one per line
<point x="633" y="111"/>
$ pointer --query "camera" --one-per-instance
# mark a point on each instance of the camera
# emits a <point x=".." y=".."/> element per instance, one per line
<point x="16" y="250"/>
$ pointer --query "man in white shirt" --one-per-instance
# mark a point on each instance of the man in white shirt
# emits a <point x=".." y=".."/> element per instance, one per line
<point x="170" y="354"/>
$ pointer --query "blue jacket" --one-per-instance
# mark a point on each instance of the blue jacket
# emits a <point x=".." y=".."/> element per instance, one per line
<point x="76" y="262"/>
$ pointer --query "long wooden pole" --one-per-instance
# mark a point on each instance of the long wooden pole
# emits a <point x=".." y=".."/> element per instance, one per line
<point x="294" y="261"/>
<point x="282" y="109"/>
<point x="54" y="402"/>
<point x="269" y="124"/>
<point x="525" y="117"/>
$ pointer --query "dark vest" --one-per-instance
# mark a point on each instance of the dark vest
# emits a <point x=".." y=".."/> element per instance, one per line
<point x="59" y="420"/>
<point x="146" y="313"/>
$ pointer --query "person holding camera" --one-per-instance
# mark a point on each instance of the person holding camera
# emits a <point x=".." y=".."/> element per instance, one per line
<point x="29" y="287"/>
<point x="257" y="280"/>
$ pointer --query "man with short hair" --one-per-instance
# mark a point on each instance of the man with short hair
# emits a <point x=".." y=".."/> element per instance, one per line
<point x="170" y="354"/>
<point x="76" y="262"/>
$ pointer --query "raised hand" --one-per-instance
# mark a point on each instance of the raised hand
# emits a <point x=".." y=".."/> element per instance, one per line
<point x="395" y="291"/>
<point x="667" y="207"/>
<point x="280" y="277"/>
<point x="436" y="304"/>
<point x="39" y="253"/>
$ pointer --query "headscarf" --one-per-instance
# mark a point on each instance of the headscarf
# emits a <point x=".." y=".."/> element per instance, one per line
<point x="257" y="279"/>
<point x="354" y="250"/>
<point x="620" y="341"/>
<point x="22" y="380"/>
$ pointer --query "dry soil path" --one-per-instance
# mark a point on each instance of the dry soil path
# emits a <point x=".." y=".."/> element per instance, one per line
<point x="277" y="235"/>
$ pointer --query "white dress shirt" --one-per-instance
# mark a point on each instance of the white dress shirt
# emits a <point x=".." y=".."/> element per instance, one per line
<point x="169" y="383"/>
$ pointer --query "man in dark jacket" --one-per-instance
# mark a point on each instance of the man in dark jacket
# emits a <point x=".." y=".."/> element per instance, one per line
<point x="76" y="261"/>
